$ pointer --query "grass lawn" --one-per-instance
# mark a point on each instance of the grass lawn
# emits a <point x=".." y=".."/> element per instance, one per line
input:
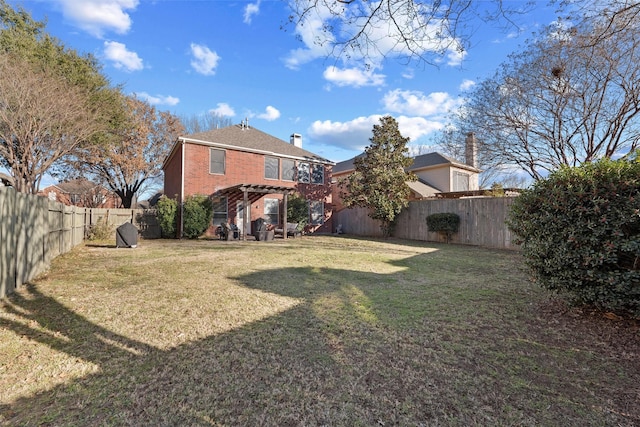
<point x="331" y="331"/>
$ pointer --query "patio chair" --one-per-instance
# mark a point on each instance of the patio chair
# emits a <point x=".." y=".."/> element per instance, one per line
<point x="229" y="231"/>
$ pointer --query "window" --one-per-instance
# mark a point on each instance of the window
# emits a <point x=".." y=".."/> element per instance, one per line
<point x="288" y="170"/>
<point x="460" y="181"/>
<point x="303" y="172"/>
<point x="219" y="210"/>
<point x="317" y="174"/>
<point x="271" y="167"/>
<point x="271" y="211"/>
<point x="216" y="161"/>
<point x="316" y="211"/>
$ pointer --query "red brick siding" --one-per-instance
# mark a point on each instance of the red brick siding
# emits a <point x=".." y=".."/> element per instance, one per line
<point x="172" y="178"/>
<point x="240" y="168"/>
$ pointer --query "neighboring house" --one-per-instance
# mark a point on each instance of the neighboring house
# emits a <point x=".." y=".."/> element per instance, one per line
<point x="242" y="167"/>
<point x="81" y="192"/>
<point x="437" y="175"/>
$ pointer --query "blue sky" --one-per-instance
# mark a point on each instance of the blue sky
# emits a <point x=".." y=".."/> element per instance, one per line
<point x="233" y="57"/>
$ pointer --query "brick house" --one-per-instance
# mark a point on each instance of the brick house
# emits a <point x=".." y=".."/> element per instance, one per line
<point x="239" y="166"/>
<point x="81" y="192"/>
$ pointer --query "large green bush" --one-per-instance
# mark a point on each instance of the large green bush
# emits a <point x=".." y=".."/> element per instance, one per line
<point x="167" y="211"/>
<point x="580" y="233"/>
<point x="197" y="211"/>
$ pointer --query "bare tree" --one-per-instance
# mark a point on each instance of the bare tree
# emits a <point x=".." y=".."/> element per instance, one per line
<point x="132" y="156"/>
<point x="203" y="122"/>
<point x="571" y="96"/>
<point x="420" y="30"/>
<point x="42" y="118"/>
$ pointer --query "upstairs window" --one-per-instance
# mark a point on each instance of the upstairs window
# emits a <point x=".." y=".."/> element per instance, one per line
<point x="288" y="170"/>
<point x="304" y="173"/>
<point x="317" y="174"/>
<point x="460" y="181"/>
<point x="216" y="161"/>
<point x="271" y="167"/>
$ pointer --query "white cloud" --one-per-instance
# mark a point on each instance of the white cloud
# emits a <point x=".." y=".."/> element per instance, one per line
<point x="466" y="85"/>
<point x="223" y="109"/>
<point x="416" y="103"/>
<point x="250" y="10"/>
<point x="159" y="99"/>
<point x="308" y="32"/>
<point x="99" y="16"/>
<point x="122" y="58"/>
<point x="417" y="127"/>
<point x="455" y="57"/>
<point x="204" y="60"/>
<point x="270" y="114"/>
<point x="353" y="77"/>
<point x="351" y="135"/>
<point x="355" y="134"/>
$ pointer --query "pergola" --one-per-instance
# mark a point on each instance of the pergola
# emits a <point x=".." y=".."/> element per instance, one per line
<point x="250" y="193"/>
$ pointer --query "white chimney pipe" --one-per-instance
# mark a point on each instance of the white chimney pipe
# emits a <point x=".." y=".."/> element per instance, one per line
<point x="296" y="139"/>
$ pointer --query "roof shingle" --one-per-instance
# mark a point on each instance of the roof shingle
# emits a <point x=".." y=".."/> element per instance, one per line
<point x="252" y="139"/>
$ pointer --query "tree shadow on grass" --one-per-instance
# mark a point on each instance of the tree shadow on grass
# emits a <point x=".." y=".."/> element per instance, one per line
<point x="337" y="358"/>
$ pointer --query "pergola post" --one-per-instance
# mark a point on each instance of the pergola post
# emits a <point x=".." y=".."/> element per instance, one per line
<point x="246" y="209"/>
<point x="285" y="199"/>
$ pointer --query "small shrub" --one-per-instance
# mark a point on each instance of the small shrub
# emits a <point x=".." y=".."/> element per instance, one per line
<point x="580" y="233"/>
<point x="167" y="211"/>
<point x="198" y="212"/>
<point x="445" y="223"/>
<point x="102" y="230"/>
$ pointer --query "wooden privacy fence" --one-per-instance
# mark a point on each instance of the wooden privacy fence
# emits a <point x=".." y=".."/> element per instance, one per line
<point x="34" y="230"/>
<point x="482" y="221"/>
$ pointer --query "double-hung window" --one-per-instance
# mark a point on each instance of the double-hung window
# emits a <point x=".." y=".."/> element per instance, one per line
<point x="271" y="167"/>
<point x="217" y="161"/>
<point x="304" y="173"/>
<point x="288" y="170"/>
<point x="317" y="174"/>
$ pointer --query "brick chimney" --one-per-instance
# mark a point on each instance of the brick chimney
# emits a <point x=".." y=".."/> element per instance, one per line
<point x="471" y="150"/>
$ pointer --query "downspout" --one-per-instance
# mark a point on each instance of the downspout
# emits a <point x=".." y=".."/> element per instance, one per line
<point x="181" y="191"/>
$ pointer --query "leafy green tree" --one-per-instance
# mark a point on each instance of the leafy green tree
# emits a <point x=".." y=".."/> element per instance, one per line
<point x="580" y="233"/>
<point x="379" y="182"/>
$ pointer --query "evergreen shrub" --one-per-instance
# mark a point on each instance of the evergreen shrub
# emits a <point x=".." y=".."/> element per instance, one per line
<point x="580" y="233"/>
<point x="167" y="212"/>
<point x="198" y="213"/>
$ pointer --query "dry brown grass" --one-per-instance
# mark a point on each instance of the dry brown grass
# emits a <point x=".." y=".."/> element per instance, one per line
<point x="312" y="331"/>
